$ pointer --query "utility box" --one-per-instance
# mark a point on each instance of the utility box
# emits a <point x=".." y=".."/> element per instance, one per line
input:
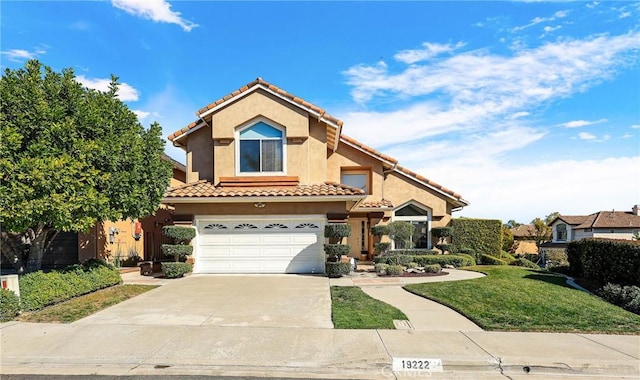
<point x="10" y="281"/>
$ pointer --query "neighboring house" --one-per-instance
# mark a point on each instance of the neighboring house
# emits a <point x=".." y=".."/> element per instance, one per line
<point x="602" y="224"/>
<point x="267" y="170"/>
<point x="524" y="239"/>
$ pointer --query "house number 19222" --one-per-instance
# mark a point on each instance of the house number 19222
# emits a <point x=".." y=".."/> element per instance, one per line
<point x="417" y="364"/>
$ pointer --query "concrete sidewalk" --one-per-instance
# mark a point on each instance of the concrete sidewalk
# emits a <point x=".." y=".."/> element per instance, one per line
<point x="308" y="352"/>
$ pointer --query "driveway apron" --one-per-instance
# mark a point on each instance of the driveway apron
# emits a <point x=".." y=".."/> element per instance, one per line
<point x="288" y="301"/>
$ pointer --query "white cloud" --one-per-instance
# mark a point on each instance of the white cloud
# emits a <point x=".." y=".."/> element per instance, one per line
<point x="126" y="93"/>
<point x="593" y="4"/>
<point x="518" y="115"/>
<point x="627" y="135"/>
<point x="500" y="190"/>
<point x="625" y="15"/>
<point x="141" y="114"/>
<point x="581" y="123"/>
<point x="549" y="29"/>
<point x="155" y="10"/>
<point x="586" y="136"/>
<point x="635" y="126"/>
<point x="19" y="55"/>
<point x="430" y="50"/>
<point x="539" y="20"/>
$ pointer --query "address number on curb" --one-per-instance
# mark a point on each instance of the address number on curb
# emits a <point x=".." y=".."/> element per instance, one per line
<point x="417" y="364"/>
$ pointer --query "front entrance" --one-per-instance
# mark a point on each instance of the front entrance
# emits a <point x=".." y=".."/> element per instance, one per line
<point x="359" y="238"/>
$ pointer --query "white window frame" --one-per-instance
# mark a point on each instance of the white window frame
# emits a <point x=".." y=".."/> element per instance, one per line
<point x="426" y="218"/>
<point x="557" y="234"/>
<point x="237" y="147"/>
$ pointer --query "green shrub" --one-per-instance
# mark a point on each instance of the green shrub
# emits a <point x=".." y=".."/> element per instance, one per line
<point x="441" y="232"/>
<point x="530" y="256"/>
<point x="38" y="289"/>
<point x="423" y="260"/>
<point x="381" y="268"/>
<point x="337" y="230"/>
<point x="178" y="252"/>
<point x="627" y="297"/>
<point x="175" y="270"/>
<point x="412" y="265"/>
<point x="446" y="248"/>
<point x="380" y="230"/>
<point x="131" y="261"/>
<point x="605" y="261"/>
<point x="400" y="232"/>
<point x="9" y="305"/>
<point x="555" y="258"/>
<point x="339" y="269"/>
<point x="506" y="256"/>
<point x="467" y="251"/>
<point x="179" y="234"/>
<point x="563" y="269"/>
<point x="484" y="236"/>
<point x="490" y="260"/>
<point x="381" y="247"/>
<point x="337" y="250"/>
<point x="432" y="268"/>
<point x="414" y="252"/>
<point x="522" y="262"/>
<point x="395" y="270"/>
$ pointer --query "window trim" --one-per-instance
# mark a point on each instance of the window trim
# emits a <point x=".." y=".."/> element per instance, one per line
<point x="557" y="232"/>
<point x="425" y="218"/>
<point x="248" y="125"/>
<point x="366" y="170"/>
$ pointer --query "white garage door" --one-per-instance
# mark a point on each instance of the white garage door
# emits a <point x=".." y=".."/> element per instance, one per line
<point x="253" y="245"/>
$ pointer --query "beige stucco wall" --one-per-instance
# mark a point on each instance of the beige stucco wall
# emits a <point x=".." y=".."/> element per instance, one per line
<point x="200" y="155"/>
<point x="297" y="208"/>
<point x="346" y="156"/>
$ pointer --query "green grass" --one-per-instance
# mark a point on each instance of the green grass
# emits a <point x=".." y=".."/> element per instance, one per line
<point x="353" y="309"/>
<point x="80" y="307"/>
<point x="522" y="299"/>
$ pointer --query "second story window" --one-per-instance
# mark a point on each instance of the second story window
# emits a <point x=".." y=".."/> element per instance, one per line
<point x="261" y="149"/>
<point x="356" y="177"/>
<point x="561" y="232"/>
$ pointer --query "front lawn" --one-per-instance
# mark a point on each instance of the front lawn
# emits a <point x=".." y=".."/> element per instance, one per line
<point x="521" y="299"/>
<point x="80" y="307"/>
<point x="351" y="308"/>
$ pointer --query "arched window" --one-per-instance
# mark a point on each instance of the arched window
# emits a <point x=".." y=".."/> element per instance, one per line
<point x="561" y="232"/>
<point x="260" y="149"/>
<point x="420" y="217"/>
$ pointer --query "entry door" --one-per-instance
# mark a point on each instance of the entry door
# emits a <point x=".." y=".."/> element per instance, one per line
<point x="358" y="238"/>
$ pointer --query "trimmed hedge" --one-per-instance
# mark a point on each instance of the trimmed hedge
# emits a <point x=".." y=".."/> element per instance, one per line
<point x="446" y="248"/>
<point x="9" y="305"/>
<point x="337" y="230"/>
<point x="467" y="251"/>
<point x="490" y="260"/>
<point x="381" y="247"/>
<point x="424" y="260"/>
<point x="484" y="236"/>
<point x="179" y="233"/>
<point x="442" y="232"/>
<point x="339" y="269"/>
<point x="381" y="268"/>
<point x="175" y="270"/>
<point x="337" y="250"/>
<point x="522" y="262"/>
<point x="395" y="270"/>
<point x="433" y="268"/>
<point x="39" y="289"/>
<point x="605" y="261"/>
<point x="177" y="251"/>
<point x="627" y="297"/>
<point x="414" y="252"/>
<point x="380" y="230"/>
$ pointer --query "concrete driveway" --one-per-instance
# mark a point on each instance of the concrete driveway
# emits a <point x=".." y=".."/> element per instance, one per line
<point x="228" y="300"/>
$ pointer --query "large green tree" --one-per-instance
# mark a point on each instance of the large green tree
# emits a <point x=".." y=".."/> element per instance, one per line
<point x="70" y="157"/>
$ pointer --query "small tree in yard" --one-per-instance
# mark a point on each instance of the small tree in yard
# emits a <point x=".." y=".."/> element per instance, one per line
<point x="542" y="232"/>
<point x="71" y="157"/>
<point x="401" y="232"/>
<point x="334" y="251"/>
<point x="179" y="250"/>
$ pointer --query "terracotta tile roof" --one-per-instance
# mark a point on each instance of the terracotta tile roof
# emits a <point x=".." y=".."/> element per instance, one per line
<point x="611" y="219"/>
<point x="383" y="203"/>
<point x="279" y="91"/>
<point x="208" y="190"/>
<point x="368" y="149"/>
<point x="428" y="181"/>
<point x="184" y="130"/>
<point x="523" y="231"/>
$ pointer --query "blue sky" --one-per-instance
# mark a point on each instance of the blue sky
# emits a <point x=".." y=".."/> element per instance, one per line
<point x="524" y="108"/>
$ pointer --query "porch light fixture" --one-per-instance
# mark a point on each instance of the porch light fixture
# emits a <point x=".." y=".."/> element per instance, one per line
<point x="259" y="205"/>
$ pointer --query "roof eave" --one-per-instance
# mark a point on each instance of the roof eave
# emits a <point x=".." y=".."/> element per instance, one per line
<point x="265" y="199"/>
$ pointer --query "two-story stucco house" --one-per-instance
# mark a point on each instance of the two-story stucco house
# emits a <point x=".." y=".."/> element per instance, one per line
<point x="267" y="170"/>
<point x="602" y="224"/>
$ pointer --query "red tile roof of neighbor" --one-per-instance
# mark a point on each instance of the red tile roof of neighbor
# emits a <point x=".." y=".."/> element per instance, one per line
<point x="523" y="230"/>
<point x="383" y="203"/>
<point x="603" y="219"/>
<point x="204" y="188"/>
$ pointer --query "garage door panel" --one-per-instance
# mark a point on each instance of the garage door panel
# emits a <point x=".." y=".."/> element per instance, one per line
<point x="282" y="246"/>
